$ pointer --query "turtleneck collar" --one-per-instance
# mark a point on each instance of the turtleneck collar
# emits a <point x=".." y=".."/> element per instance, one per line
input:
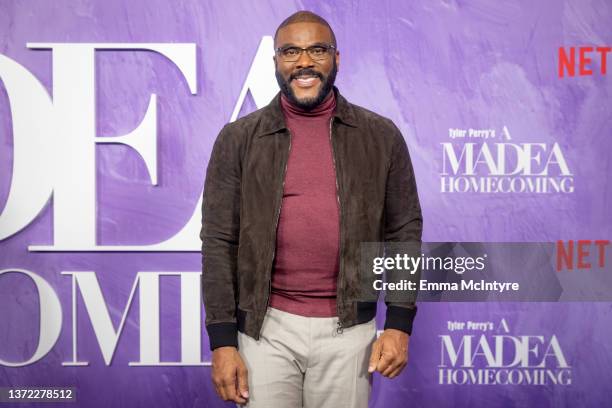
<point x="325" y="108"/>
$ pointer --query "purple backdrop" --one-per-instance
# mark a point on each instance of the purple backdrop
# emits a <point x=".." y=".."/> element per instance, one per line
<point x="427" y="65"/>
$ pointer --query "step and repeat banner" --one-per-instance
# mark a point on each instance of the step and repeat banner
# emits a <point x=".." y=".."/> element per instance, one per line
<point x="108" y="113"/>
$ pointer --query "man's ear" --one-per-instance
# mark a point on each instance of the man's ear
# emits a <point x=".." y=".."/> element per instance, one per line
<point x="337" y="56"/>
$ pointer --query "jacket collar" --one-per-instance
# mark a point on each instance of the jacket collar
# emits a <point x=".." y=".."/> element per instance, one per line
<point x="273" y="119"/>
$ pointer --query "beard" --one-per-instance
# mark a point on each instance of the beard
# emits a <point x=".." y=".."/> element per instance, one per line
<point x="307" y="104"/>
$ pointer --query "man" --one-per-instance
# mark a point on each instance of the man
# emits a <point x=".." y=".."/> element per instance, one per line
<point x="291" y="192"/>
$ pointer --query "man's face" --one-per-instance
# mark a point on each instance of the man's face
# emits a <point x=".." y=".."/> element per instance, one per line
<point x="306" y="82"/>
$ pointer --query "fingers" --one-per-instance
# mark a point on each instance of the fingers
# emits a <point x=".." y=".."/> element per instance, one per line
<point x="243" y="383"/>
<point x="395" y="366"/>
<point x="219" y="383"/>
<point x="232" y="393"/>
<point x="397" y="371"/>
<point x="391" y="361"/>
<point x="382" y="360"/>
<point x="230" y="375"/>
<point x="385" y="363"/>
<point x="227" y="389"/>
<point x="374" y="356"/>
<point x="223" y="385"/>
<point x="389" y="353"/>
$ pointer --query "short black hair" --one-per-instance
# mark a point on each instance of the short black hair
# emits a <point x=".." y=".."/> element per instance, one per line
<point x="305" y="16"/>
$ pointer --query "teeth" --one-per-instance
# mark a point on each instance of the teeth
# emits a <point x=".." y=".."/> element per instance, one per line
<point x="305" y="81"/>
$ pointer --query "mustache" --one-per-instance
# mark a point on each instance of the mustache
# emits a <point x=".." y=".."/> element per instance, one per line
<point x="306" y="71"/>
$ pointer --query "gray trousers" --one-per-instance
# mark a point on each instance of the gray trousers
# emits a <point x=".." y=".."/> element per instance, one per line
<point x="303" y="362"/>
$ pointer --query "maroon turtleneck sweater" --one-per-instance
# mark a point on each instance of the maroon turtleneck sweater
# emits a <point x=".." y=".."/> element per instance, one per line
<point x="307" y="240"/>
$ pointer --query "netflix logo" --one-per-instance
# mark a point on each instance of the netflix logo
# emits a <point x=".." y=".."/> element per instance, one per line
<point x="582" y="60"/>
<point x="581" y="254"/>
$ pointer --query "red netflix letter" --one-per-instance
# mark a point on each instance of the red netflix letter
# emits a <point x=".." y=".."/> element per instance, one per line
<point x="583" y="252"/>
<point x="584" y="61"/>
<point x="568" y="63"/>
<point x="601" y="245"/>
<point x="564" y="256"/>
<point x="603" y="51"/>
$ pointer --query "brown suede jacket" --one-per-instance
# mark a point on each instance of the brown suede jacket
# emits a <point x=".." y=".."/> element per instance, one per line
<point x="378" y="201"/>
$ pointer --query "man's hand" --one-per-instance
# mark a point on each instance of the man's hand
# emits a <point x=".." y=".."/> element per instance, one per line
<point x="390" y="353"/>
<point x="230" y="375"/>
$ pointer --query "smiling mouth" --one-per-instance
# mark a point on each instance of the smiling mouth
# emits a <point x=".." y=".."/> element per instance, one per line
<point x="306" y="81"/>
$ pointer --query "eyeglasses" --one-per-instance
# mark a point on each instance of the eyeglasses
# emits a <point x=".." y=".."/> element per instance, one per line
<point x="315" y="52"/>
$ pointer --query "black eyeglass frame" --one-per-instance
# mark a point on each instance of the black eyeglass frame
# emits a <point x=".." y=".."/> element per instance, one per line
<point x="327" y="47"/>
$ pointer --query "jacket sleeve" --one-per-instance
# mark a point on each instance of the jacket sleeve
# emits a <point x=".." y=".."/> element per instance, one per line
<point x="220" y="236"/>
<point x="404" y="226"/>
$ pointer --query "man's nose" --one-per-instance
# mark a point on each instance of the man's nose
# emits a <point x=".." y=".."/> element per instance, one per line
<point x="304" y="60"/>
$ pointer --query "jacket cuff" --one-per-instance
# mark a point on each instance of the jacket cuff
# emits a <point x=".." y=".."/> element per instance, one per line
<point x="400" y="318"/>
<point x="222" y="334"/>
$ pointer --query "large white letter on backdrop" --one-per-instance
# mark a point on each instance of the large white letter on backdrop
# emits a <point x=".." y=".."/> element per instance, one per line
<point x="55" y="154"/>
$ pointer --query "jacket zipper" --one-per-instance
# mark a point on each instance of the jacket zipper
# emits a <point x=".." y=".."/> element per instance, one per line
<point x="340" y="327"/>
<point x="280" y="204"/>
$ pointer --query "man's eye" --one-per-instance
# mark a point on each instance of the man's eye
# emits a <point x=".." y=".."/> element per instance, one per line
<point x="291" y="52"/>
<point x="317" y="50"/>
